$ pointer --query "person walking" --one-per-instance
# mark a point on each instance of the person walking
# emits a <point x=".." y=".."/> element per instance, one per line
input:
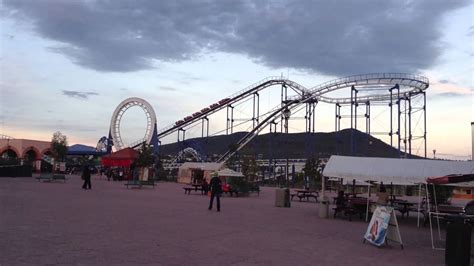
<point x="216" y="189"/>
<point x="86" y="175"/>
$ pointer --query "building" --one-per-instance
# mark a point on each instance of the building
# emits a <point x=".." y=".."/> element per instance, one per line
<point x="27" y="150"/>
<point x="196" y="172"/>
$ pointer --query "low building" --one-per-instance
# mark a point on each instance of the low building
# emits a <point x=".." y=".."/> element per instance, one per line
<point x="195" y="172"/>
<point x="27" y="150"/>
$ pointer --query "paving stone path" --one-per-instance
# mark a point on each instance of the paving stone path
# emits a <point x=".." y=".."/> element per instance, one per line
<point x="62" y="224"/>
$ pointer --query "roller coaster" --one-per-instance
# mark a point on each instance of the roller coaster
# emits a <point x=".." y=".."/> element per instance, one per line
<point x="394" y="90"/>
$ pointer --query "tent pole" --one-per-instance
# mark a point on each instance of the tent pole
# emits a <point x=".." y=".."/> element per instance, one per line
<point x="322" y="189"/>
<point x="429" y="215"/>
<point x="353" y="188"/>
<point x="368" y="200"/>
<point x="391" y="193"/>
<point x="419" y="205"/>
<point x="436" y="207"/>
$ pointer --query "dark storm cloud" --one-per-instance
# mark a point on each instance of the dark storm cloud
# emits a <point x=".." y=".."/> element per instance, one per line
<point x="329" y="37"/>
<point x="79" y="94"/>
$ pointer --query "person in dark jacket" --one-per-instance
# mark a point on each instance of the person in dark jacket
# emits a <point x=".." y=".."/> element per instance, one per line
<point x="216" y="189"/>
<point x="86" y="175"/>
<point x="205" y="187"/>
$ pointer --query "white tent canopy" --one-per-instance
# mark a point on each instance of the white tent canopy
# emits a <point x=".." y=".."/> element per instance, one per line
<point x="396" y="171"/>
<point x="229" y="173"/>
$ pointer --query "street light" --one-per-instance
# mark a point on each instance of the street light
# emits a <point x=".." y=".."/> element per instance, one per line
<point x="286" y="115"/>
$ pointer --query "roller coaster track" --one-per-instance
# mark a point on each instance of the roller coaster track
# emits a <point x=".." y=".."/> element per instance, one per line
<point x="411" y="84"/>
<point x="405" y="85"/>
<point x="234" y="98"/>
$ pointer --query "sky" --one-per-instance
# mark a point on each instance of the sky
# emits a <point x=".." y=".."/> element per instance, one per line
<point x="66" y="65"/>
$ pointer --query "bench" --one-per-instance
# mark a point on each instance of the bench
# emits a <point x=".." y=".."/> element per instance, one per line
<point x="140" y="183"/>
<point x="51" y="177"/>
<point x="45" y="177"/>
<point x="187" y="190"/>
<point x="255" y="189"/>
<point x="304" y="196"/>
<point x="351" y="207"/>
<point x="59" y="177"/>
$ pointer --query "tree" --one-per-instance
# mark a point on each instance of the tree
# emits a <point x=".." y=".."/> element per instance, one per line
<point x="160" y="171"/>
<point x="144" y="160"/>
<point x="145" y="156"/>
<point x="250" y="168"/>
<point x="59" y="146"/>
<point x="312" y="171"/>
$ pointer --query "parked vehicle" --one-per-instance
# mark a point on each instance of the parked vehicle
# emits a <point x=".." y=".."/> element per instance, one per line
<point x="196" y="114"/>
<point x="205" y="110"/>
<point x="187" y="118"/>
<point x="179" y="122"/>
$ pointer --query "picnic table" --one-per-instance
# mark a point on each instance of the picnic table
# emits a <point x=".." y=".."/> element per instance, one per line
<point x="193" y="187"/>
<point x="351" y="206"/>
<point x="305" y="194"/>
<point x="403" y="206"/>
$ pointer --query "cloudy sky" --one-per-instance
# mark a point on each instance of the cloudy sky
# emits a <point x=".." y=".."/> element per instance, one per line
<point x="65" y="65"/>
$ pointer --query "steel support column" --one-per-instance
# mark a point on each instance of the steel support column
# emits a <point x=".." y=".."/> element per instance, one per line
<point x="204" y="121"/>
<point x="256" y="109"/>
<point x="183" y="134"/>
<point x="367" y="117"/>
<point x="284" y="97"/>
<point x="424" y="111"/>
<point x="391" y="116"/>
<point x="230" y="120"/>
<point x="410" y="135"/>
<point x="398" y="122"/>
<point x="310" y="116"/>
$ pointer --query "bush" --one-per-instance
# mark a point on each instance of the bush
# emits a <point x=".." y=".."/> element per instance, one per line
<point x="239" y="184"/>
<point x="16" y="171"/>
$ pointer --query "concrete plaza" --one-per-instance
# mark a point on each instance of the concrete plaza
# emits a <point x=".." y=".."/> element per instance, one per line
<point x="56" y="223"/>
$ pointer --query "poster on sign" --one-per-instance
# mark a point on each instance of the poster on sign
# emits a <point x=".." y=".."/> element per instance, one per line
<point x="378" y="226"/>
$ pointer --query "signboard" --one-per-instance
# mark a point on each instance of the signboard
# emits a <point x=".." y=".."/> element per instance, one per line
<point x="62" y="167"/>
<point x="383" y="226"/>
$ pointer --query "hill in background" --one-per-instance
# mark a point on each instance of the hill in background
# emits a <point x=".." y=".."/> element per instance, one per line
<point x="293" y="145"/>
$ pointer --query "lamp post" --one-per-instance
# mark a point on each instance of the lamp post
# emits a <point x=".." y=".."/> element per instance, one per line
<point x="286" y="115"/>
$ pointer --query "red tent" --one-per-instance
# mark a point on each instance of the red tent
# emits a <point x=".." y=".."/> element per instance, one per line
<point x="123" y="158"/>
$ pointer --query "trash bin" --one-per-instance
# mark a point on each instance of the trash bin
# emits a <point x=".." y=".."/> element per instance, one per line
<point x="323" y="209"/>
<point x="282" y="197"/>
<point x="458" y="241"/>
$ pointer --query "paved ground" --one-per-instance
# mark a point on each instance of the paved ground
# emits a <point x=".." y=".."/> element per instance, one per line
<point x="55" y="223"/>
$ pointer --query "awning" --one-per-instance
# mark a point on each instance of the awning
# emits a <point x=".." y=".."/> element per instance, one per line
<point x="451" y="179"/>
<point x="396" y="171"/>
<point x="121" y="158"/>
<point x="229" y="173"/>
